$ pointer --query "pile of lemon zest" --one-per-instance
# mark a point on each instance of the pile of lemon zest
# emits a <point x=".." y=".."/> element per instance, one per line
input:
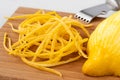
<point x="53" y="37"/>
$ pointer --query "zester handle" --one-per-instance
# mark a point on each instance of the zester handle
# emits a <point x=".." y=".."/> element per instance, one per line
<point x="114" y="4"/>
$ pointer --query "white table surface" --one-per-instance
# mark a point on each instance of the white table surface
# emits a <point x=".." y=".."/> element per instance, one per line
<point x="7" y="7"/>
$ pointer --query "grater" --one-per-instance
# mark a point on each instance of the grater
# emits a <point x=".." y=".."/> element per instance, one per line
<point x="88" y="14"/>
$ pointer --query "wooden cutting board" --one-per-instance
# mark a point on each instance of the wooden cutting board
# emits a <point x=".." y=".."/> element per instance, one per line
<point x="12" y="68"/>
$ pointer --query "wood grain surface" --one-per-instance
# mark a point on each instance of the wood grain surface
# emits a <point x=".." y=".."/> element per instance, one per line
<point x="12" y="68"/>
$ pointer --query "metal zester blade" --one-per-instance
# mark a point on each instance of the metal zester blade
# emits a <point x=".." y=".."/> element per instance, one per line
<point x="88" y="14"/>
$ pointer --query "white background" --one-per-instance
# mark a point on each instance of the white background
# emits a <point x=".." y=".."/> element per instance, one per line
<point x="7" y="7"/>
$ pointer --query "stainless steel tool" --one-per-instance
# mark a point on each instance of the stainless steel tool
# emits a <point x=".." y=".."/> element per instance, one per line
<point x="88" y="14"/>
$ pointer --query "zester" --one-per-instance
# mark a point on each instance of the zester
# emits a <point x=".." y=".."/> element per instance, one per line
<point x="87" y="15"/>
